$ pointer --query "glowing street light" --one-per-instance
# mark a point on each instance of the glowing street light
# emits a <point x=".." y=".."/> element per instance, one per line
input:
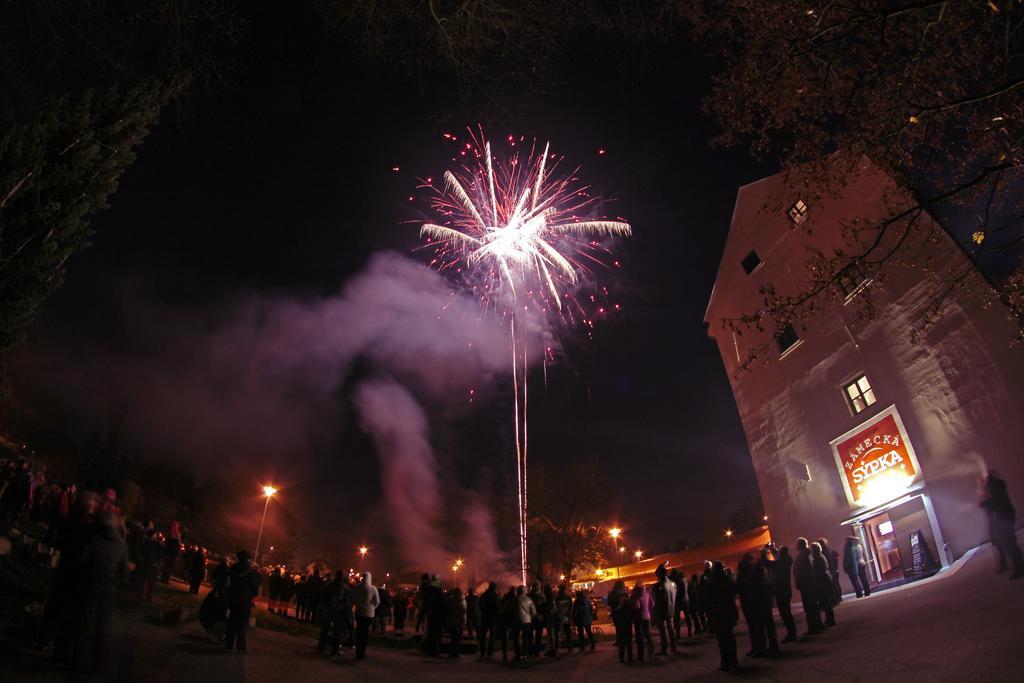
<point x="638" y="554"/>
<point x="269" y="492"/>
<point x="362" y="555"/>
<point x="728" y="533"/>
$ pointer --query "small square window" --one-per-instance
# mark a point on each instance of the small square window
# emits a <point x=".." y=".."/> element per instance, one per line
<point x="787" y="338"/>
<point x="750" y="262"/>
<point x="798" y="212"/>
<point x="859" y="394"/>
<point x="850" y="278"/>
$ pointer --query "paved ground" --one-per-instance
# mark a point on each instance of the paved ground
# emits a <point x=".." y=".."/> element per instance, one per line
<point x="964" y="627"/>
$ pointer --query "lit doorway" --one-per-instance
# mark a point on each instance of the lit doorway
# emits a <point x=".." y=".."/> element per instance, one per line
<point x="884" y="549"/>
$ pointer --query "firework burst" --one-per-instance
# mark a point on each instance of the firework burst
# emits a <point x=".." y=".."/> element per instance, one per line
<point x="517" y="228"/>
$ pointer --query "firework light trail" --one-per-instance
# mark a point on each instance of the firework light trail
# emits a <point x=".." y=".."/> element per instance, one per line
<point x="515" y="225"/>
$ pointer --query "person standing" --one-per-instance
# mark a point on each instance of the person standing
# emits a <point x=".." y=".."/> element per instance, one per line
<point x="622" y="619"/>
<point x="384" y="611"/>
<point x="105" y="561"/>
<point x="508" y="621"/>
<point x="456" y="620"/>
<point x="780" y="571"/>
<point x="1001" y="517"/>
<point x="172" y="548"/>
<point x="472" y="613"/>
<point x="301" y="587"/>
<point x="488" y="620"/>
<point x="198" y="572"/>
<point x="243" y="587"/>
<point x="219" y="577"/>
<point x="274" y="590"/>
<point x="696" y="607"/>
<point x="663" y="594"/>
<point x="583" y="617"/>
<point x="536" y="594"/>
<point x="434" y="609"/>
<point x="803" y="573"/>
<point x="552" y="622"/>
<point x="756" y="600"/>
<point x="855" y="565"/>
<point x="563" y="610"/>
<point x="641" y="611"/>
<point x="723" y="614"/>
<point x="366" y="599"/>
<point x="526" y="612"/>
<point x="823" y="584"/>
<point x="338" y="617"/>
<point x="401" y="609"/>
<point x="681" y="611"/>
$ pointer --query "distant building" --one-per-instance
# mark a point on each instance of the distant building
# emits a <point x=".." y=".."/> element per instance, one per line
<point x="855" y="429"/>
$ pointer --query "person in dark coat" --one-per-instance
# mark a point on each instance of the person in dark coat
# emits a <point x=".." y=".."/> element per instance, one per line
<point x="552" y="622"/>
<point x="383" y="613"/>
<point x="563" y="610"/>
<point x="756" y="600"/>
<point x="274" y="590"/>
<point x="1001" y="518"/>
<point x="301" y="586"/>
<point x="435" y="608"/>
<point x="508" y="620"/>
<point x="243" y="587"/>
<point x="17" y="494"/>
<point x="705" y="577"/>
<point x="337" y="623"/>
<point x="696" y="607"/>
<point x="198" y="572"/>
<point x="472" y="613"/>
<point x="219" y="577"/>
<point x="400" y="609"/>
<point x="583" y="617"/>
<point x="663" y="595"/>
<point x="455" y="616"/>
<point x="823" y="584"/>
<point x="622" y="618"/>
<point x="803" y="574"/>
<point x="213" y="616"/>
<point x="723" y="615"/>
<point x="488" y="620"/>
<point x="682" y="608"/>
<point x="780" y="570"/>
<point x="535" y="635"/>
<point x="172" y="549"/>
<point x="105" y="563"/>
<point x="285" y="593"/>
<point x="64" y="609"/>
<point x="856" y="566"/>
<point x="832" y="559"/>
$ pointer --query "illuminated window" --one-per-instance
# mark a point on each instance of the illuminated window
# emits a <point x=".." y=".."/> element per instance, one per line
<point x="787" y="338"/>
<point x="859" y="394"/>
<point x="850" y="278"/>
<point x="750" y="262"/>
<point x="798" y="212"/>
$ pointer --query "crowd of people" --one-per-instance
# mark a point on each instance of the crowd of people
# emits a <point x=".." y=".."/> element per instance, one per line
<point x="99" y="551"/>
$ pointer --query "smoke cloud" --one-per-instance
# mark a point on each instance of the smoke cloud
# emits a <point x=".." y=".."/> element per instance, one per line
<point x="264" y="380"/>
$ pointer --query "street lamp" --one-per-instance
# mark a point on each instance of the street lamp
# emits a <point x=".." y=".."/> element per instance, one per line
<point x="728" y="533"/>
<point x="362" y="555"/>
<point x="639" y="554"/>
<point x="269" y="492"/>
<point x="614" y="533"/>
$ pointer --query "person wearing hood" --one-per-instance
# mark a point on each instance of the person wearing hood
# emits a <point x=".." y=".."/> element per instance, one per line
<point x="526" y="612"/>
<point x="366" y="599"/>
<point x="105" y="562"/>
<point x="243" y="587"/>
<point x="803" y="574"/>
<point x="456" y="620"/>
<point x="622" y="619"/>
<point x="641" y="611"/>
<point x="855" y="565"/>
<point x="663" y="594"/>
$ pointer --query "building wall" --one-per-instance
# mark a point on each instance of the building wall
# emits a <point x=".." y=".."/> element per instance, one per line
<point x="959" y="390"/>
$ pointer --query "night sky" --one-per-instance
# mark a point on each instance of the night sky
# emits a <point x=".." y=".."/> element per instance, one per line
<point x="280" y="187"/>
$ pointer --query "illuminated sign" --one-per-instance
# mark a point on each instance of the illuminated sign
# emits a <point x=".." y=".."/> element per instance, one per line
<point x="876" y="460"/>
